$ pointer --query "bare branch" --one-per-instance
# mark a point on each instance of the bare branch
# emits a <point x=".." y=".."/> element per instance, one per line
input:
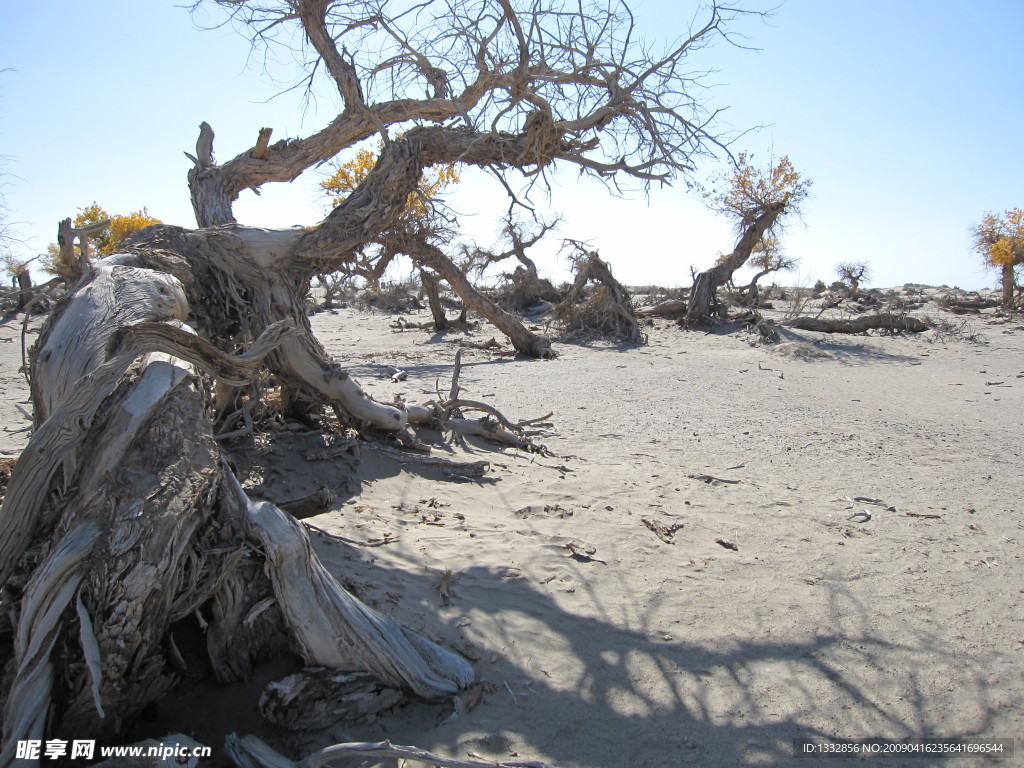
<point x="572" y="83"/>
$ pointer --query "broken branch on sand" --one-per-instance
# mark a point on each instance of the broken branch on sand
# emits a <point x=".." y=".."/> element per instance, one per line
<point x="251" y="752"/>
<point x="712" y="480"/>
<point x="664" y="531"/>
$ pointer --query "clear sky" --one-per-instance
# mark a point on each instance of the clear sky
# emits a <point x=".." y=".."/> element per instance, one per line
<point x="907" y="116"/>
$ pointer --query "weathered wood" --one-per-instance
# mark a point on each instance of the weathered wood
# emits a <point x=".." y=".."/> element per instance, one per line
<point x="333" y="629"/>
<point x="883" y="321"/>
<point x="672" y="308"/>
<point x="157" y="530"/>
<point x="317" y="698"/>
<point x="48" y="594"/>
<point x="74" y="376"/>
<point x="250" y="752"/>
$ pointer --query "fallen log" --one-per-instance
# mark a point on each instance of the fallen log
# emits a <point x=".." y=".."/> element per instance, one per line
<point x="884" y="322"/>
<point x="671" y="309"/>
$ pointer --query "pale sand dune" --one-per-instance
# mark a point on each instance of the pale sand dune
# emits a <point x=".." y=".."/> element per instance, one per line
<point x="688" y="653"/>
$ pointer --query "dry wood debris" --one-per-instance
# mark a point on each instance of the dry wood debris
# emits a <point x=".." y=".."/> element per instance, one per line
<point x="664" y="531"/>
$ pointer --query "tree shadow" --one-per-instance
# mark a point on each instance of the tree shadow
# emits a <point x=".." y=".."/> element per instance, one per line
<point x="580" y="688"/>
<point x="586" y="683"/>
<point x="635" y="697"/>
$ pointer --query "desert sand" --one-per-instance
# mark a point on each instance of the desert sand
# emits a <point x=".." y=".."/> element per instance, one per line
<point x="870" y="487"/>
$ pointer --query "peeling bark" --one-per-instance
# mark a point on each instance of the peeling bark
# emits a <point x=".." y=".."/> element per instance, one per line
<point x="317" y="698"/>
<point x="122" y="521"/>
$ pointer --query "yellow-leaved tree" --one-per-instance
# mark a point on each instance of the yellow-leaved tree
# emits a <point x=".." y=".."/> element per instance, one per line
<point x="1000" y="241"/>
<point x="757" y="199"/>
<point x="119" y="228"/>
<point x="106" y="232"/>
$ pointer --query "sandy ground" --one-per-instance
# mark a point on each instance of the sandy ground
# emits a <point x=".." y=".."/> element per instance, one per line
<point x="665" y="648"/>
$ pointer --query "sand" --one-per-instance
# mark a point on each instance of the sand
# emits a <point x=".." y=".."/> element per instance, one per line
<point x="835" y="617"/>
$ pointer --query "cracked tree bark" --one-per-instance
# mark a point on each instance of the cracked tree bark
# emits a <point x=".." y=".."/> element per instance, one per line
<point x="123" y="522"/>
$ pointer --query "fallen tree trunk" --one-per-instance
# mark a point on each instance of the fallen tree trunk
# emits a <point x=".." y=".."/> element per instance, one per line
<point x="885" y="322"/>
<point x="673" y="308"/>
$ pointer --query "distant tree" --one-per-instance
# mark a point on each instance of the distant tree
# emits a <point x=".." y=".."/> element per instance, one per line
<point x="21" y="278"/>
<point x="525" y="286"/>
<point x="852" y="274"/>
<point x="1000" y="241"/>
<point x="757" y="200"/>
<point x="119" y="227"/>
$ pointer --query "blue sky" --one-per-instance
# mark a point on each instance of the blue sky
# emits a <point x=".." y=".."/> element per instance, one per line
<point x="907" y="117"/>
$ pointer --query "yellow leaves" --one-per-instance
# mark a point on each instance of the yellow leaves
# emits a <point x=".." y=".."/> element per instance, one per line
<point x="752" y="188"/>
<point x="1000" y="239"/>
<point x="90" y="214"/>
<point x="350" y="175"/>
<point x="107" y="241"/>
<point x="119" y="228"/>
<point x="123" y="226"/>
<point x="1001" y="252"/>
<point x="766" y="253"/>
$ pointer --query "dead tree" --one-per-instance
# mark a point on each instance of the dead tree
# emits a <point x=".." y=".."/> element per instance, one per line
<point x="22" y="280"/>
<point x="525" y="287"/>
<point x="432" y="287"/>
<point x="767" y="259"/>
<point x="123" y="524"/>
<point x="24" y="292"/>
<point x="884" y="321"/>
<point x="853" y="273"/>
<point x="608" y="309"/>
